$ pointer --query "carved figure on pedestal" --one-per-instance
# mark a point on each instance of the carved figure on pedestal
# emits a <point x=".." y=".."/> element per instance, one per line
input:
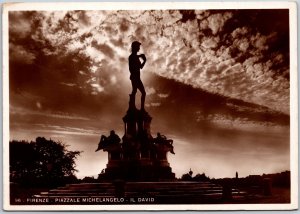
<point x="134" y="67"/>
<point x="112" y="139"/>
<point x="162" y="140"/>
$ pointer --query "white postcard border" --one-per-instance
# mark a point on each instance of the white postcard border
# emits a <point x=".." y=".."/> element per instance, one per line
<point x="157" y="5"/>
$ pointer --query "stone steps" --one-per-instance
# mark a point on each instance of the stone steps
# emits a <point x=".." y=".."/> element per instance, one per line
<point x="85" y="190"/>
<point x="175" y="188"/>
<point x="163" y="191"/>
<point x="78" y="194"/>
<point x="217" y="195"/>
<point x="90" y="185"/>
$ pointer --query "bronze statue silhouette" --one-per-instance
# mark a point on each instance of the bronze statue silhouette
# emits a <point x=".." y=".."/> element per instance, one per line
<point x="134" y="67"/>
<point x="113" y="138"/>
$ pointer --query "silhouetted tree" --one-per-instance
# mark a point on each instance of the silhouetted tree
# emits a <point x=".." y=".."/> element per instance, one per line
<point x="88" y="179"/>
<point x="201" y="177"/>
<point x="186" y="177"/>
<point x="43" y="162"/>
<point x="198" y="177"/>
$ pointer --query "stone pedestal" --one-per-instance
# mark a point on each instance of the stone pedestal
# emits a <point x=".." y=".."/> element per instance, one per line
<point x="138" y="157"/>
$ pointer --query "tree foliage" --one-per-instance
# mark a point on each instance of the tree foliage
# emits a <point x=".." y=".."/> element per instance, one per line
<point x="43" y="162"/>
<point x="197" y="177"/>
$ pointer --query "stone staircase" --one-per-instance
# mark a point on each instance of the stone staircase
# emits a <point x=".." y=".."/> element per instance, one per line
<point x="183" y="192"/>
<point x="82" y="190"/>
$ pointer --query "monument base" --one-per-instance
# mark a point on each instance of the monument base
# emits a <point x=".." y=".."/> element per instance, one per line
<point x="137" y="171"/>
<point x="139" y="157"/>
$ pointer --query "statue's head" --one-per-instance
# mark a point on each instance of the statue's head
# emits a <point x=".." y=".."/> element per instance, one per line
<point x="135" y="46"/>
<point x="112" y="132"/>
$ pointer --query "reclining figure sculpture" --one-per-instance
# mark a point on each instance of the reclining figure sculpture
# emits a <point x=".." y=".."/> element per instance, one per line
<point x="112" y="139"/>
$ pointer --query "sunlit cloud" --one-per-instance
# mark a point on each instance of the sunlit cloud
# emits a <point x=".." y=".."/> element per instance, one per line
<point x="64" y="130"/>
<point x="163" y="95"/>
<point x="68" y="84"/>
<point x="150" y="91"/>
<point x="62" y="115"/>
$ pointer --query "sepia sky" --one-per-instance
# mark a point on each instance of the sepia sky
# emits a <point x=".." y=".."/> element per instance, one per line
<point x="217" y="83"/>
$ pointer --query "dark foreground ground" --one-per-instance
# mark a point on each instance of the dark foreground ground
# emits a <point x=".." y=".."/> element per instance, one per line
<point x="26" y="196"/>
<point x="279" y="195"/>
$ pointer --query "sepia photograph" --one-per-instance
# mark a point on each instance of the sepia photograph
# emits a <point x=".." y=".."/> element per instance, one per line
<point x="150" y="106"/>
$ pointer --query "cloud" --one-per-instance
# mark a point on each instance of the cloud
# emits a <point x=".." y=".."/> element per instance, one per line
<point x="39" y="105"/>
<point x="105" y="49"/>
<point x="98" y="88"/>
<point x="65" y="130"/>
<point x="240" y="31"/>
<point x="210" y="42"/>
<point x="68" y="84"/>
<point x="162" y="95"/>
<point x="19" y="54"/>
<point x="60" y="115"/>
<point x="20" y="23"/>
<point x="113" y="79"/>
<point x="231" y="122"/>
<point x="217" y="21"/>
<point x="155" y="104"/>
<point x="150" y="91"/>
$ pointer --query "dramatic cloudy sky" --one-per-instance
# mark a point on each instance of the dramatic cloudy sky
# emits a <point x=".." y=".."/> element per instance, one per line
<point x="217" y="83"/>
